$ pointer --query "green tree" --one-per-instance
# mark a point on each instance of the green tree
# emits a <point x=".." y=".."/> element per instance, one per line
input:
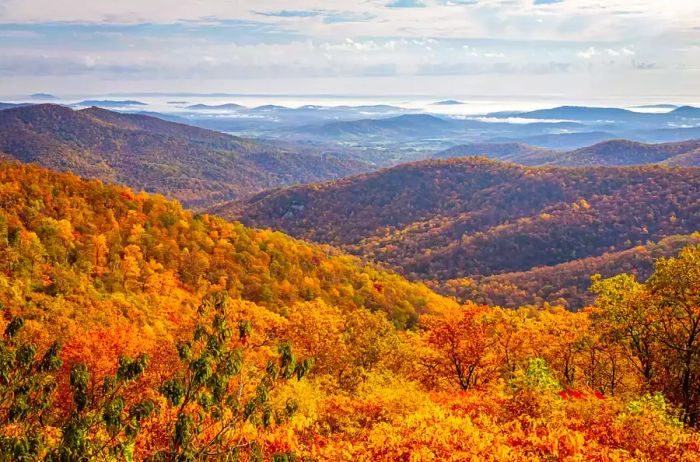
<point x="99" y="426"/>
<point x="27" y="388"/>
<point x="216" y="394"/>
<point x="676" y="286"/>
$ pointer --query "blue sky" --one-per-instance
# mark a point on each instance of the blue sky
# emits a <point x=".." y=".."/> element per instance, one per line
<point x="441" y="47"/>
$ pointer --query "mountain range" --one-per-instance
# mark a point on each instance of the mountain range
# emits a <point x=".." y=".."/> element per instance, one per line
<point x="194" y="165"/>
<point x="586" y="113"/>
<point x="450" y="219"/>
<point x="607" y="153"/>
<point x="442" y="220"/>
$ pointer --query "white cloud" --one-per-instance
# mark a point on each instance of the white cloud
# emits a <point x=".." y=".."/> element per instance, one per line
<point x="212" y="39"/>
<point x="592" y="52"/>
<point x="588" y="54"/>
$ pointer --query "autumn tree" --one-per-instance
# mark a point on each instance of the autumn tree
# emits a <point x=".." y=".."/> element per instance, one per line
<point x="27" y="389"/>
<point x="659" y="324"/>
<point x="625" y="317"/>
<point x="462" y="340"/>
<point x="675" y="286"/>
<point x="100" y="424"/>
<point x="218" y="396"/>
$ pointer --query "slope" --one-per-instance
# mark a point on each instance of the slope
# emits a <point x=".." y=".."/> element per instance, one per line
<point x="609" y="153"/>
<point x="465" y="217"/>
<point x="566" y="283"/>
<point x="194" y="165"/>
<point x="76" y="253"/>
<point x="511" y="152"/>
<point x="624" y="152"/>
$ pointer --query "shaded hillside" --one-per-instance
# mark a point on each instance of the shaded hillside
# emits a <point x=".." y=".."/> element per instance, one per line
<point x="567" y="283"/>
<point x="464" y="217"/>
<point x="510" y="152"/>
<point x="4" y="106"/>
<point x="612" y="153"/>
<point x="624" y="152"/>
<point x="194" y="165"/>
<point x="559" y="141"/>
<point x="687" y="159"/>
<point x="409" y="124"/>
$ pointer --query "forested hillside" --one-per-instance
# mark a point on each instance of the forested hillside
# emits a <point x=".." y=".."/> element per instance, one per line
<point x="100" y="252"/>
<point x="134" y="330"/>
<point x="612" y="153"/>
<point x="196" y="166"/>
<point x="623" y="152"/>
<point x="508" y="152"/>
<point x="473" y="217"/>
<point x="565" y="284"/>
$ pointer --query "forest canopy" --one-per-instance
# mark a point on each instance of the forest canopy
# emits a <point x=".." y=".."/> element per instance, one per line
<point x="134" y="330"/>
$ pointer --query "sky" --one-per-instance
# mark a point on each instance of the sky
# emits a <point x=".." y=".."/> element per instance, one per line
<point x="576" y="48"/>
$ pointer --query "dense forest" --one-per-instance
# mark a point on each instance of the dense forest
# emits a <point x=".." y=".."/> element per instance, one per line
<point x="134" y="330"/>
<point x="472" y="217"/>
<point x="196" y="166"/>
<point x="70" y="245"/>
<point x="566" y="284"/>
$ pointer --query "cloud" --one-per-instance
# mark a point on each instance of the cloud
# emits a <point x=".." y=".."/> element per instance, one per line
<point x="406" y="4"/>
<point x="588" y="54"/>
<point x="217" y="39"/>
<point x="336" y="18"/>
<point x="289" y="13"/>
<point x="592" y="52"/>
<point x="24" y="34"/>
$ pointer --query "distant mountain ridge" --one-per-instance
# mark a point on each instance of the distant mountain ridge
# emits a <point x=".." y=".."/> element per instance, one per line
<point x="601" y="113"/>
<point x="413" y="124"/>
<point x="610" y="153"/>
<point x="195" y="165"/>
<point x="109" y="103"/>
<point x="200" y="107"/>
<point x="12" y="105"/>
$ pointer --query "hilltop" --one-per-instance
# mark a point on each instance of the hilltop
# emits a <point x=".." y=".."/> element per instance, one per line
<point x="610" y="153"/>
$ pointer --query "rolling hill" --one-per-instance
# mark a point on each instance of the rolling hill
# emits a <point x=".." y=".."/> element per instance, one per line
<point x="624" y="152"/>
<point x="131" y="325"/>
<point x="566" y="283"/>
<point x="194" y="165"/>
<point x="404" y="125"/>
<point x="612" y="153"/>
<point x="512" y="152"/>
<point x="473" y="217"/>
<point x="76" y="254"/>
